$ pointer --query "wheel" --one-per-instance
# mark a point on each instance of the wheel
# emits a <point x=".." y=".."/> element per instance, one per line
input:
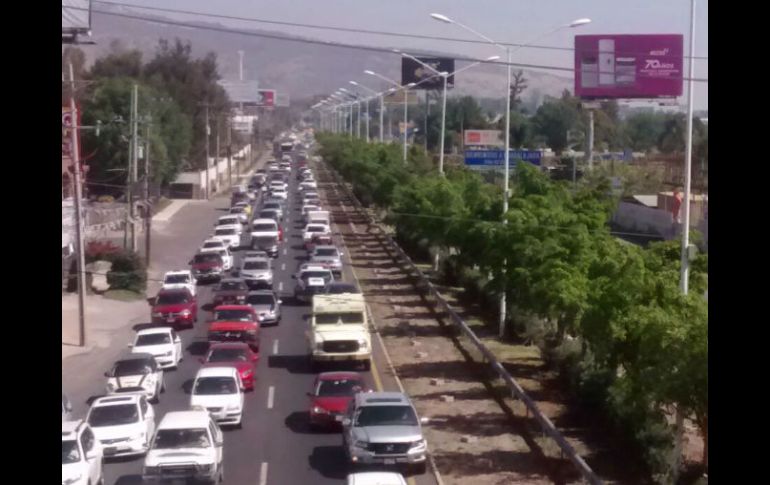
<point x="163" y="385"/>
<point x="420" y="468"/>
<point x="222" y="472"/>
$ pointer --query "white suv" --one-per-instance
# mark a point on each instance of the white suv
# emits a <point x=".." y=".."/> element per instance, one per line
<point x="220" y="391"/>
<point x="181" y="278"/>
<point x="123" y="424"/>
<point x="187" y="445"/>
<point x="162" y="342"/>
<point x="81" y="455"/>
<point x="229" y="234"/>
<point x="136" y="372"/>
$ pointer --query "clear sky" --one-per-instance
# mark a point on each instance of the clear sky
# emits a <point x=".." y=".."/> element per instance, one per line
<point x="517" y="21"/>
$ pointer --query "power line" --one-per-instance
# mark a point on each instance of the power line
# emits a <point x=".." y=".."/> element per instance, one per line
<point x="342" y="45"/>
<point x="357" y="31"/>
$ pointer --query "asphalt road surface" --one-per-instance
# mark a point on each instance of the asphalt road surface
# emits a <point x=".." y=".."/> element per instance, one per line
<point x="275" y="444"/>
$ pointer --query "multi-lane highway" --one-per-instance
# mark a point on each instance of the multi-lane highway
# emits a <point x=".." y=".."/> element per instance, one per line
<point x="275" y="444"/>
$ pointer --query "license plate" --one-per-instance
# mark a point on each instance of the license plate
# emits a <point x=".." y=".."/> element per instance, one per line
<point x="338" y="418"/>
<point x="170" y="319"/>
<point x="390" y="461"/>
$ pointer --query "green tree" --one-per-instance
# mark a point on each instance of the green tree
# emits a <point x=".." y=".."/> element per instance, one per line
<point x="555" y="118"/>
<point x="673" y="137"/>
<point x="191" y="82"/>
<point x="124" y="63"/>
<point x="644" y="129"/>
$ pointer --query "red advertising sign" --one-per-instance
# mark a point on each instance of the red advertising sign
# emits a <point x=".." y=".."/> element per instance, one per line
<point x="629" y="66"/>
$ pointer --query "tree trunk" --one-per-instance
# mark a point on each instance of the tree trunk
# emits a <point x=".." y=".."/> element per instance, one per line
<point x="703" y="424"/>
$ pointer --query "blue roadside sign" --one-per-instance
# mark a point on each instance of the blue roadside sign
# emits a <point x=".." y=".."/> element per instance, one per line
<point x="480" y="159"/>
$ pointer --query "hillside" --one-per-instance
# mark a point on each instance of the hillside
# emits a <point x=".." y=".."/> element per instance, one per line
<point x="299" y="68"/>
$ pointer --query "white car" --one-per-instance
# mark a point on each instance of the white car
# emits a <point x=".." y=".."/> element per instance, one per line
<point x="124" y="425"/>
<point x="188" y="445"/>
<point x="220" y="391"/>
<point x="376" y="478"/>
<point x="277" y="185"/>
<point x="315" y="229"/>
<point x="162" y="342"/>
<point x="213" y="244"/>
<point x="182" y="278"/>
<point x="241" y="213"/>
<point x="227" y="256"/>
<point x="228" y="220"/>
<point x="230" y="234"/>
<point x="308" y="185"/>
<point x="136" y="372"/>
<point x="81" y="455"/>
<point x="279" y="194"/>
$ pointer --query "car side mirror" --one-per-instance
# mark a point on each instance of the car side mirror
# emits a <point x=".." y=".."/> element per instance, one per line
<point x="346" y="422"/>
<point x="424" y="420"/>
<point x="177" y="340"/>
<point x="107" y="374"/>
<point x="219" y="442"/>
<point x="130" y="344"/>
<point x="280" y="302"/>
<point x="309" y="394"/>
<point x="254" y="358"/>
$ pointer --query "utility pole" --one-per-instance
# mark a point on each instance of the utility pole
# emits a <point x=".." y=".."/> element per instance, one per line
<point x="134" y="164"/>
<point x="81" y="259"/>
<point x="216" y="157"/>
<point x="229" y="151"/>
<point x="148" y="212"/>
<point x="208" y="134"/>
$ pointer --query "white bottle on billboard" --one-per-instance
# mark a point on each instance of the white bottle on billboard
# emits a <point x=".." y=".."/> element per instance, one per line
<point x="606" y="62"/>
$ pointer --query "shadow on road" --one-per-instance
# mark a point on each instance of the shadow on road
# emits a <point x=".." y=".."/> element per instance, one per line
<point x="329" y="461"/>
<point x="129" y="480"/>
<point x="198" y="347"/>
<point x="296" y="364"/>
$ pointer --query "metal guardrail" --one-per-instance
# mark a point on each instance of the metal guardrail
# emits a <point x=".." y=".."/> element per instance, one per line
<point x="546" y="425"/>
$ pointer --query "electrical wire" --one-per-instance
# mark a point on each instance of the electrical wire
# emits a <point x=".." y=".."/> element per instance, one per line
<point x="360" y="31"/>
<point x="347" y="46"/>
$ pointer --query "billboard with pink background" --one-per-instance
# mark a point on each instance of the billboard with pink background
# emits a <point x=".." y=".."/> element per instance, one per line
<point x="629" y="66"/>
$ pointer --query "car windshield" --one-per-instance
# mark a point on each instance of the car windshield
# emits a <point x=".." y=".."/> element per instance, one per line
<point x="237" y="210"/>
<point x="263" y="227"/>
<point x="131" y="368"/>
<point x="232" y="286"/>
<point x="213" y="244"/>
<point x="267" y="214"/>
<point x="69" y="452"/>
<point x="176" y="298"/>
<point x="116" y="415"/>
<point x="225" y="232"/>
<point x="233" y="316"/>
<point x="316" y="274"/>
<point x="310" y="208"/>
<point x="272" y="206"/>
<point x="338" y="387"/>
<point x="342" y="288"/>
<point x="316" y="228"/>
<point x="228" y="355"/>
<point x="228" y="220"/>
<point x="214" y="386"/>
<point x="208" y="258"/>
<point x="386" y="416"/>
<point x="326" y="252"/>
<point x="153" y="339"/>
<point x="181" y="438"/>
<point x="260" y="300"/>
<point x="177" y="278"/>
<point x="339" y="317"/>
<point x="255" y="265"/>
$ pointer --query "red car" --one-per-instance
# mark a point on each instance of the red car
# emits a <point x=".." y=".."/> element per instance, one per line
<point x="207" y="266"/>
<point x="332" y="392"/>
<point x="177" y="307"/>
<point x="319" y="240"/>
<point x="235" y="323"/>
<point x="234" y="354"/>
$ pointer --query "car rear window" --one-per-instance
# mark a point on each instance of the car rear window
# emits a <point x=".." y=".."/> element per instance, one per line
<point x="153" y="339"/>
<point x="344" y="317"/>
<point x="234" y="316"/>
<point x="263" y="227"/>
<point x="255" y="265"/>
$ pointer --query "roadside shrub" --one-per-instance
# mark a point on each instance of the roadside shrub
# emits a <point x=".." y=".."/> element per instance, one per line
<point x="127" y="273"/>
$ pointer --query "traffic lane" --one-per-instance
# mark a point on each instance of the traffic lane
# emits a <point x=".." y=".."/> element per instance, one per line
<point x="83" y="374"/>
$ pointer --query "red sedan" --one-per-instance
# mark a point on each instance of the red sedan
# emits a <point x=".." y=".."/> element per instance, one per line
<point x="175" y="307"/>
<point x="234" y="354"/>
<point x="235" y="323"/>
<point x="332" y="392"/>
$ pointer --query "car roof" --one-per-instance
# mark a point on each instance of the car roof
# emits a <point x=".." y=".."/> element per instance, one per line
<point x="262" y="292"/>
<point x="376" y="478"/>
<point x="212" y="250"/>
<point x="234" y="307"/>
<point x="229" y="345"/>
<point x="185" y="419"/>
<point x="312" y="267"/>
<point x="167" y="291"/>
<point x="325" y="246"/>
<point x="333" y="376"/>
<point x="227" y="226"/>
<point x="137" y="356"/>
<point x="214" y="241"/>
<point x="216" y="371"/>
<point x="154" y="330"/>
<point x="231" y="280"/>
<point x="264" y="221"/>
<point x="382" y="399"/>
<point x="116" y="400"/>
<point x="185" y="272"/>
<point x="256" y="258"/>
<point x="227" y="216"/>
